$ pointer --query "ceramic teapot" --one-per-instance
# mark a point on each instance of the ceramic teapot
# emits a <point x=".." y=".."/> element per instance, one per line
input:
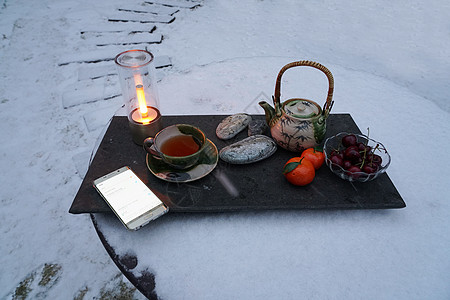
<point x="297" y="123"/>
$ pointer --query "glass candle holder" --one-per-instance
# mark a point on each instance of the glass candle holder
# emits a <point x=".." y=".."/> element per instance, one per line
<point x="137" y="79"/>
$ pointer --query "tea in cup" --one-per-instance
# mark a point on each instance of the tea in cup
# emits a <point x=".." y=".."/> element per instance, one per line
<point x="178" y="145"/>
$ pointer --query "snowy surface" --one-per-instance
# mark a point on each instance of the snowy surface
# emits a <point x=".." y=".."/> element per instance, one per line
<point x="390" y="62"/>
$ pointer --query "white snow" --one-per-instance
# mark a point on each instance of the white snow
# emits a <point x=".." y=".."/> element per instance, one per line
<point x="390" y="61"/>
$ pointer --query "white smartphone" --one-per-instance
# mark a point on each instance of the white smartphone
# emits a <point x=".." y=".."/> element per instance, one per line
<point x="129" y="198"/>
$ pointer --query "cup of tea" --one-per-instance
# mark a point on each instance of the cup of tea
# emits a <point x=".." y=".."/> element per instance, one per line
<point x="177" y="145"/>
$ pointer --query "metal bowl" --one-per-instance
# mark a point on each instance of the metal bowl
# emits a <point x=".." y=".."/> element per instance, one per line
<point x="335" y="143"/>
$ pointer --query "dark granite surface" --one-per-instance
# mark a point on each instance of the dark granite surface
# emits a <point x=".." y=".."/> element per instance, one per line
<point x="259" y="185"/>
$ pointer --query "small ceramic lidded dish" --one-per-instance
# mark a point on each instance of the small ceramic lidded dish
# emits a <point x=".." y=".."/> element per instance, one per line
<point x="356" y="157"/>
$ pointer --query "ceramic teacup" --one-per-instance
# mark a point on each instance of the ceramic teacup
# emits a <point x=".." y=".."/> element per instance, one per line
<point x="178" y="145"/>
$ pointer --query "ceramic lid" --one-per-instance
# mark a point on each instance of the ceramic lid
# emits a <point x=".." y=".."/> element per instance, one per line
<point x="301" y="108"/>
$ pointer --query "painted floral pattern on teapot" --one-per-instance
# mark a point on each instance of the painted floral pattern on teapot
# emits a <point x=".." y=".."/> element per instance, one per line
<point x="298" y="123"/>
<point x="295" y="134"/>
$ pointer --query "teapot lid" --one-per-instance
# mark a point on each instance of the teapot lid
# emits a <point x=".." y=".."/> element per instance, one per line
<point x="301" y="108"/>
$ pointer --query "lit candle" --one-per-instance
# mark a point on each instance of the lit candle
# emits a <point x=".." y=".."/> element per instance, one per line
<point x="136" y="75"/>
<point x="143" y="115"/>
<point x="137" y="116"/>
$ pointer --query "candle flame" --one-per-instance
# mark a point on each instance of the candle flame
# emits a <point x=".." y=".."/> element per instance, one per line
<point x="141" y="97"/>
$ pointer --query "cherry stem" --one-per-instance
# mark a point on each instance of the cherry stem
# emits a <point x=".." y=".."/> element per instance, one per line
<point x="376" y="147"/>
<point x="365" y="148"/>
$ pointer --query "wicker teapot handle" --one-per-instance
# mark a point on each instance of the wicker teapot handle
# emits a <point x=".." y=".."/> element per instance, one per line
<point x="328" y="104"/>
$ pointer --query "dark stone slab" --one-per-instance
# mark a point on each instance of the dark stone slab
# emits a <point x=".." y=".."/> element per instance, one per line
<point x="260" y="185"/>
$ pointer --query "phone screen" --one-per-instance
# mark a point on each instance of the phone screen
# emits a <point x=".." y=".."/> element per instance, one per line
<point x="127" y="195"/>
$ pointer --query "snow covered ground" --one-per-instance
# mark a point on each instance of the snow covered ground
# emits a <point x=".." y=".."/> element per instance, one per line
<point x="390" y="62"/>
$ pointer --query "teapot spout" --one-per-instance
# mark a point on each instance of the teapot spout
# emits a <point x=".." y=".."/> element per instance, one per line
<point x="269" y="111"/>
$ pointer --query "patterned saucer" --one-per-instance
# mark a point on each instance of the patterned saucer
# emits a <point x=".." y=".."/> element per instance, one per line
<point x="206" y="163"/>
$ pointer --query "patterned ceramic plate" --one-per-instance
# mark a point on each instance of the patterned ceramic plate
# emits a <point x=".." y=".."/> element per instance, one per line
<point x="206" y="163"/>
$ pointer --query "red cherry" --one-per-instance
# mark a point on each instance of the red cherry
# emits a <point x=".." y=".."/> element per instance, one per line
<point x="349" y="140"/>
<point x="353" y="147"/>
<point x="353" y="172"/>
<point x="352" y="154"/>
<point x="347" y="164"/>
<point x="370" y="168"/>
<point x="354" y="169"/>
<point x="335" y="152"/>
<point x="362" y="147"/>
<point x="374" y="158"/>
<point x="337" y="160"/>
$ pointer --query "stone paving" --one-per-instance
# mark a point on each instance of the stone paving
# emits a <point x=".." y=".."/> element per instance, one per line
<point x="129" y="26"/>
<point x="133" y="25"/>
